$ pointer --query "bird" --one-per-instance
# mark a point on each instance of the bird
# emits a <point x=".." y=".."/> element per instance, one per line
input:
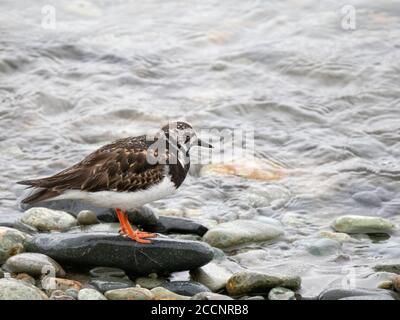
<point x="125" y="174"/>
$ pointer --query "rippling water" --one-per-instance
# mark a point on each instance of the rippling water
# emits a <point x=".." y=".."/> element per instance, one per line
<point x="323" y="101"/>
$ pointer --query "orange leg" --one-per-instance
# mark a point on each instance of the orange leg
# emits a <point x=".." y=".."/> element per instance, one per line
<point x="127" y="229"/>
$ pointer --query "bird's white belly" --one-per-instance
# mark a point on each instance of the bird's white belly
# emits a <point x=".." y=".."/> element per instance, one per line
<point x="122" y="200"/>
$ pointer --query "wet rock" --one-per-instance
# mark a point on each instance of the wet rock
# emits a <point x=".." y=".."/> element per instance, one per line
<point x="35" y="264"/>
<point x="44" y="219"/>
<point x="246" y="282"/>
<point x="387" y="284"/>
<point x="362" y="224"/>
<point x="112" y="250"/>
<point x="280" y="293"/>
<point x="11" y="243"/>
<point x="149" y="283"/>
<point x="90" y="294"/>
<point x="161" y="293"/>
<point x="11" y="289"/>
<point x="72" y="292"/>
<point x="253" y="298"/>
<point x="338" y="236"/>
<point x="238" y="232"/>
<point x="390" y="267"/>
<point x="212" y="276"/>
<point x="210" y="296"/>
<point x="112" y="228"/>
<point x="368" y="198"/>
<point x="111" y="283"/>
<point x="368" y="297"/>
<point x="25" y="277"/>
<point x="143" y="216"/>
<point x="107" y="272"/>
<point x="87" y="217"/>
<point x="177" y="225"/>
<point x="324" y="247"/>
<point x="185" y="288"/>
<point x="339" y="293"/>
<point x="51" y="284"/>
<point x="396" y="283"/>
<point x="60" y="295"/>
<point x="130" y="294"/>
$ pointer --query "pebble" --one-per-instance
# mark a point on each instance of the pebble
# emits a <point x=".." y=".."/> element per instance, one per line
<point x="107" y="272"/>
<point x="212" y="275"/>
<point x="11" y="289"/>
<point x="129" y="294"/>
<point x="167" y="225"/>
<point x="387" y="284"/>
<point x="185" y="288"/>
<point x="324" y="247"/>
<point x="247" y="282"/>
<point x="104" y="284"/>
<point x="44" y="219"/>
<point x="396" y="283"/>
<point x="111" y="250"/>
<point x="161" y="293"/>
<point x="362" y="224"/>
<point x="25" y="277"/>
<point x="149" y="283"/>
<point x="339" y="293"/>
<point x="338" y="236"/>
<point x="11" y="243"/>
<point x="87" y="217"/>
<point x="143" y="216"/>
<point x="35" y="264"/>
<point x="238" y="232"/>
<point x="51" y="283"/>
<point x="72" y="292"/>
<point x="210" y="296"/>
<point x="60" y="295"/>
<point x="90" y="294"/>
<point x="280" y="293"/>
<point x="368" y="198"/>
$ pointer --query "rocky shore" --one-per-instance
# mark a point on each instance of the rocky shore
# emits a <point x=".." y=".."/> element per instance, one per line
<point x="56" y="255"/>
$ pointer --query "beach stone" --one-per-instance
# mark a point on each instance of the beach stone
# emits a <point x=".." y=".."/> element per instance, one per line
<point x="338" y="236"/>
<point x="112" y="228"/>
<point x="44" y="219"/>
<point x="246" y="282"/>
<point x="60" y="295"/>
<point x="72" y="292"/>
<point x="130" y="294"/>
<point x="149" y="283"/>
<point x="368" y="198"/>
<point x="280" y="293"/>
<point x="25" y="277"/>
<point x="396" y="283"/>
<point x="163" y="255"/>
<point x="167" y="225"/>
<point x="111" y="283"/>
<point x="90" y="294"/>
<point x="34" y="264"/>
<point x="339" y="293"/>
<point x="185" y="288"/>
<point x="107" y="272"/>
<point x="324" y="247"/>
<point x="390" y="267"/>
<point x="387" y="284"/>
<point x="210" y="296"/>
<point x="161" y="293"/>
<point x="144" y="216"/>
<point x="212" y="275"/>
<point x="362" y="224"/>
<point x="51" y="284"/>
<point x="11" y="243"/>
<point x="238" y="232"/>
<point x="87" y="217"/>
<point x="11" y="289"/>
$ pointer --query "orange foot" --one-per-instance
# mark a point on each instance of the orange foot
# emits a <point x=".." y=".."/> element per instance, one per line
<point x="127" y="230"/>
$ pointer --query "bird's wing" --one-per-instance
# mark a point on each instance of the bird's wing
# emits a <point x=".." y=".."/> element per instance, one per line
<point x="120" y="166"/>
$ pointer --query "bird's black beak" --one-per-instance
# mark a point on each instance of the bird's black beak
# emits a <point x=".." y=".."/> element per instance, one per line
<point x="201" y="143"/>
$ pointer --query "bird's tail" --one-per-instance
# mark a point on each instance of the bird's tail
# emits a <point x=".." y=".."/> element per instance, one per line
<point x="37" y="194"/>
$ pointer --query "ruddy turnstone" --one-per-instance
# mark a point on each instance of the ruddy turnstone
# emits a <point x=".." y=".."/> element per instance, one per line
<point x="125" y="174"/>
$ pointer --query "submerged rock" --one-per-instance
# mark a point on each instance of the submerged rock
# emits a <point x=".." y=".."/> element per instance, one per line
<point x="238" y="232"/>
<point x="11" y="289"/>
<point x="44" y="219"/>
<point x="11" y="243"/>
<point x="212" y="276"/>
<point x="130" y="294"/>
<point x="246" y="282"/>
<point x="90" y="294"/>
<point x="390" y="267"/>
<point x="362" y="224"/>
<point x="324" y="247"/>
<point x="280" y="293"/>
<point x="112" y="250"/>
<point x="35" y="264"/>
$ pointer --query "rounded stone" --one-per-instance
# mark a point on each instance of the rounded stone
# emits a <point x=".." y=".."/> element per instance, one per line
<point x="34" y="264"/>
<point x="11" y="289"/>
<point x="11" y="243"/>
<point x="44" y="219"/>
<point x="72" y="292"/>
<point x="362" y="224"/>
<point x="324" y="247"/>
<point x="149" y="283"/>
<point x="280" y="293"/>
<point x="396" y="283"/>
<point x="129" y="294"/>
<point x="90" y="294"/>
<point x="87" y="217"/>
<point x="161" y="293"/>
<point x="210" y="296"/>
